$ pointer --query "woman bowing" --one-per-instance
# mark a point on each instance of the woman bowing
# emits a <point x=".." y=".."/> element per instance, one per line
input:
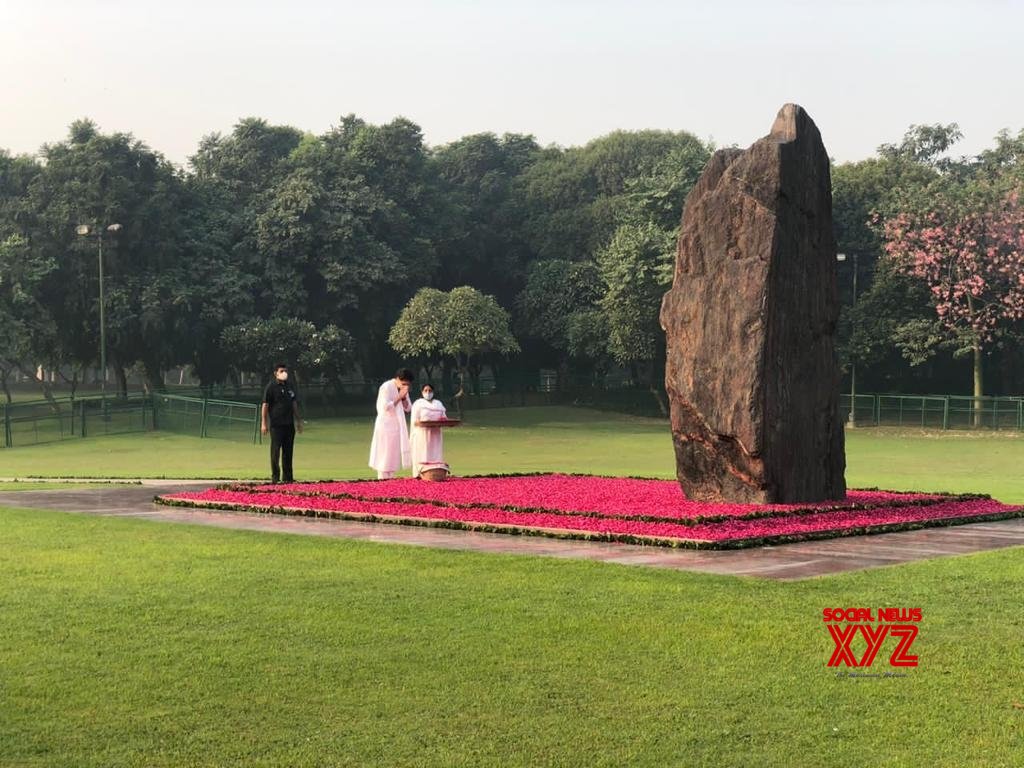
<point x="389" y="450"/>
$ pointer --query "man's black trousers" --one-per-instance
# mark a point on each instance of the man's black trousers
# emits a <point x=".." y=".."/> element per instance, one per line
<point x="282" y="440"/>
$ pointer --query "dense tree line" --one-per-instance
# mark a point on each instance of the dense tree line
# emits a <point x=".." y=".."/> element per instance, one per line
<point x="911" y="216"/>
<point x="273" y="243"/>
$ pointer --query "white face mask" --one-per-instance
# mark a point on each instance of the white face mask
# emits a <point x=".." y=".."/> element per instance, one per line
<point x="428" y="395"/>
<point x="282" y="376"/>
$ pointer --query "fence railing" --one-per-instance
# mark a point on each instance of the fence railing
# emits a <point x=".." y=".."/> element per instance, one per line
<point x="206" y="417"/>
<point x="924" y="411"/>
<point x="935" y="411"/>
<point x="33" y="422"/>
<point x="45" y="421"/>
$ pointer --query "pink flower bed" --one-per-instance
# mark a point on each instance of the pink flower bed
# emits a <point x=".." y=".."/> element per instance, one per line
<point x="629" y="498"/>
<point x="730" y="532"/>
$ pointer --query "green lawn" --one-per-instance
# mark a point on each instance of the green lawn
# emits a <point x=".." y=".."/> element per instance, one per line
<point x="532" y="439"/>
<point x="133" y="643"/>
<point x="47" y="485"/>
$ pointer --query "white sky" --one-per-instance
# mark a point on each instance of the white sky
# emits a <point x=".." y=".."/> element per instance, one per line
<point x="566" y="72"/>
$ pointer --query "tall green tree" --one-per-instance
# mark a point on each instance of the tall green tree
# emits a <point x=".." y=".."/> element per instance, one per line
<point x="481" y="242"/>
<point x="218" y="289"/>
<point x="636" y="267"/>
<point x="345" y="235"/>
<point x="233" y="177"/>
<point x="97" y="179"/>
<point x="547" y="310"/>
<point x="573" y="200"/>
<point x="904" y="175"/>
<point x="27" y="323"/>
<point x="603" y="205"/>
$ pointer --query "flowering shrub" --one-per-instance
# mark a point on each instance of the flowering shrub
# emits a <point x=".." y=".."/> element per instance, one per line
<point x="624" y="497"/>
<point x="609" y="509"/>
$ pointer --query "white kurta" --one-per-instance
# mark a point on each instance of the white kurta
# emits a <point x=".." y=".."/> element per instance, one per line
<point x="427" y="442"/>
<point x="389" y="450"/>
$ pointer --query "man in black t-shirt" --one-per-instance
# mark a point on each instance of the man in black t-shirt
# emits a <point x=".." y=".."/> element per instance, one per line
<point x="280" y="417"/>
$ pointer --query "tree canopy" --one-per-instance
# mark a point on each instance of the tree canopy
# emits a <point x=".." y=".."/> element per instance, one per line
<point x="500" y="251"/>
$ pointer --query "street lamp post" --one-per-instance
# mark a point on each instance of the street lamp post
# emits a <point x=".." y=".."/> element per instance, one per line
<point x="853" y="362"/>
<point x="86" y="231"/>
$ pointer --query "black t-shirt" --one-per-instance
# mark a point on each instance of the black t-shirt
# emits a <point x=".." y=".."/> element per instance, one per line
<point x="279" y="398"/>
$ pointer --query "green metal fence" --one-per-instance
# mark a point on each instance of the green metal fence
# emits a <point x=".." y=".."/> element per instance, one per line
<point x="33" y="422"/>
<point x="936" y="411"/>
<point x="114" y="416"/>
<point x="206" y="417"/>
<point x="45" y="421"/>
<point x="38" y="421"/>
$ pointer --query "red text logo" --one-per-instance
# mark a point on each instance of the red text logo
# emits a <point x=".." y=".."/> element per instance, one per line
<point x="869" y="632"/>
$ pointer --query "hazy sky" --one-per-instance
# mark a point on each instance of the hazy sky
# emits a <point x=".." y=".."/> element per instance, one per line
<point x="565" y="72"/>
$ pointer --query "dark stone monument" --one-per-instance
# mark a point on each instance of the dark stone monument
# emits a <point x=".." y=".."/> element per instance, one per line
<point x="752" y="376"/>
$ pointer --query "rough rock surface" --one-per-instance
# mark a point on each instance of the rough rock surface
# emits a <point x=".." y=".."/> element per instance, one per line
<point x="752" y="376"/>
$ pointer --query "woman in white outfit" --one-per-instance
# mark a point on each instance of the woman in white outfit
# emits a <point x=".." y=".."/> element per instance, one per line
<point x="427" y="442"/>
<point x="389" y="450"/>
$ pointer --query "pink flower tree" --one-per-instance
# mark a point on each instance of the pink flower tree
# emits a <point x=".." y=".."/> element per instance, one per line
<point x="973" y="266"/>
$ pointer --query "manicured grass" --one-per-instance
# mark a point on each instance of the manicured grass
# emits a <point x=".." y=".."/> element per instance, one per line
<point x="533" y="440"/>
<point x="44" y="485"/>
<point x="521" y="439"/>
<point x="130" y="643"/>
<point x="960" y="462"/>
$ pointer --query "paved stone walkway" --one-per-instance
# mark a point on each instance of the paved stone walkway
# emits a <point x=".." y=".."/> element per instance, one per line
<point x="784" y="562"/>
